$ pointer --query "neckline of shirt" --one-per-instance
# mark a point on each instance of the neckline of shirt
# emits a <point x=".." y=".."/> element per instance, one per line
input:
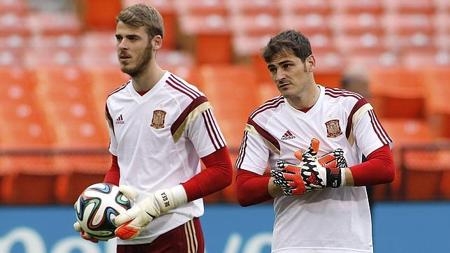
<point x="313" y="108"/>
<point x="150" y="92"/>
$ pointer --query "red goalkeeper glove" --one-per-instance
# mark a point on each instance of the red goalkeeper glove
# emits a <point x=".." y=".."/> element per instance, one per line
<point x="312" y="173"/>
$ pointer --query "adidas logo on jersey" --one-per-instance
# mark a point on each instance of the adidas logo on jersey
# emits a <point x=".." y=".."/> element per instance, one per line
<point x="287" y="136"/>
<point x="119" y="120"/>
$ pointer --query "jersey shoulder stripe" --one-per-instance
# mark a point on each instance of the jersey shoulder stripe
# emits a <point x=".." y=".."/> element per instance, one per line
<point x="270" y="104"/>
<point x="360" y="103"/>
<point x="336" y="92"/>
<point x="182" y="87"/>
<point x="119" y="88"/>
<point x="213" y="131"/>
<point x="265" y="134"/>
<point x="198" y="105"/>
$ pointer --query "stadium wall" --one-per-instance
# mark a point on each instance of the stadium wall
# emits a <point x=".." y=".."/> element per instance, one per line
<point x="398" y="227"/>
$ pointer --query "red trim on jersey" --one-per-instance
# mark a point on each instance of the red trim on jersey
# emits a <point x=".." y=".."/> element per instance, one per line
<point x="273" y="103"/>
<point x="378" y="169"/>
<point x="112" y="176"/>
<point x="109" y="118"/>
<point x="251" y="188"/>
<point x="177" y="84"/>
<point x="355" y="108"/>
<point x="216" y="176"/>
<point x="142" y="93"/>
<point x="379" y="130"/>
<point x="213" y="131"/>
<point x="264" y="133"/>
<point x="194" y="104"/>
<point x="336" y="92"/>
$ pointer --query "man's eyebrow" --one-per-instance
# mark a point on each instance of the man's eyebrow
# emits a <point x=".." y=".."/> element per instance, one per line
<point x="279" y="63"/>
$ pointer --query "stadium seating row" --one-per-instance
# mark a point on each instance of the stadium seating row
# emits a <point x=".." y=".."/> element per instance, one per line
<point x="54" y="131"/>
<point x="56" y="76"/>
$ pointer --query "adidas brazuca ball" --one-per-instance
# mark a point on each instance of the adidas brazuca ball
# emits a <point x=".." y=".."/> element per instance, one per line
<point x="96" y="207"/>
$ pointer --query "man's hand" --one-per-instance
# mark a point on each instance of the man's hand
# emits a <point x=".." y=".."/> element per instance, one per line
<point x="312" y="173"/>
<point x="83" y="234"/>
<point x="131" y="222"/>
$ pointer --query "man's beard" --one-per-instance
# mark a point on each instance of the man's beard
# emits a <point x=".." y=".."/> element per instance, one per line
<point x="145" y="59"/>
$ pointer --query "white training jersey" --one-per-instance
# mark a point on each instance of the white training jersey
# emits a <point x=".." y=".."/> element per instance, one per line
<point x="333" y="219"/>
<point x="159" y="138"/>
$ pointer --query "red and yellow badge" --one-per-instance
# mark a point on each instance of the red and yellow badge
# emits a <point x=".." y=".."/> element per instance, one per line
<point x="333" y="128"/>
<point x="158" y="119"/>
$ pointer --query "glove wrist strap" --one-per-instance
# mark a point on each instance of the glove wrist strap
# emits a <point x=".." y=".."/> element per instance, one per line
<point x="171" y="198"/>
<point x="334" y="177"/>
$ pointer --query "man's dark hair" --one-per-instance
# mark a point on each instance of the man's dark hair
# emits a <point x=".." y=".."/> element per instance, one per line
<point x="143" y="15"/>
<point x="289" y="41"/>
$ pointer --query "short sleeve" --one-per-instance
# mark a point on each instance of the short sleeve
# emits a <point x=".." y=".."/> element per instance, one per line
<point x="254" y="152"/>
<point x="204" y="132"/>
<point x="368" y="132"/>
<point x="112" y="136"/>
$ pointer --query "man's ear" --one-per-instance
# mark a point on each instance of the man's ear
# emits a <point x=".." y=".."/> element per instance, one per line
<point x="156" y="42"/>
<point x="310" y="63"/>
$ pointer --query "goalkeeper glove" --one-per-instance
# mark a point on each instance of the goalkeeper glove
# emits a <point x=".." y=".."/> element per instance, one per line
<point x="311" y="173"/>
<point x="131" y="222"/>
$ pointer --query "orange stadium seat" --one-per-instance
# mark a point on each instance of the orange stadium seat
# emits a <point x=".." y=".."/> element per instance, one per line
<point x="397" y="92"/>
<point x="437" y="92"/>
<point x="98" y="49"/>
<point x="26" y="139"/>
<point x="409" y="31"/>
<point x="403" y="132"/>
<point x="209" y="37"/>
<point x="423" y="174"/>
<point x="98" y="14"/>
<point x="51" y="50"/>
<point x="202" y="7"/>
<point x="445" y="183"/>
<point x="357" y="6"/>
<point x="18" y="7"/>
<point x="386" y="59"/>
<point x="366" y="43"/>
<point x="442" y="5"/>
<point x="357" y="24"/>
<point x="298" y="8"/>
<point x="81" y="134"/>
<point x="254" y="8"/>
<point x="416" y="60"/>
<point x="231" y="91"/>
<point x="309" y="24"/>
<point x="410" y="6"/>
<point x="54" y="23"/>
<point x="259" y="25"/>
<point x="104" y="81"/>
<point x="14" y="24"/>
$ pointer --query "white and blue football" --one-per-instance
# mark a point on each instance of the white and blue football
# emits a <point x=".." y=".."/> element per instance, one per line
<point x="96" y="207"/>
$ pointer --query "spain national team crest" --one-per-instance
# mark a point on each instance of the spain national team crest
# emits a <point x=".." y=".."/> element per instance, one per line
<point x="158" y="119"/>
<point x="333" y="128"/>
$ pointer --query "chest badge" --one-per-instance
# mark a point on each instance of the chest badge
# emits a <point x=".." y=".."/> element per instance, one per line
<point x="333" y="128"/>
<point x="158" y="119"/>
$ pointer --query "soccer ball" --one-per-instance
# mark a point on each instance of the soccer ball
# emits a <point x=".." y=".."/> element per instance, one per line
<point x="96" y="207"/>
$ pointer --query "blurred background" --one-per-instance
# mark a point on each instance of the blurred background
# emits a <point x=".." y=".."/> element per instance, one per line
<point x="58" y="64"/>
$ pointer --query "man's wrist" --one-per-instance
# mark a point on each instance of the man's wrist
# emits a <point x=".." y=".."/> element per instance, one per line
<point x="273" y="189"/>
<point x="347" y="177"/>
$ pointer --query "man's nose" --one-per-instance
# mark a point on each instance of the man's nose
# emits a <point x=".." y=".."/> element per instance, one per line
<point x="279" y="75"/>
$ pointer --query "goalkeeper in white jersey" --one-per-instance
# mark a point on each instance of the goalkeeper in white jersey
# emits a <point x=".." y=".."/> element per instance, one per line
<point x="160" y="128"/>
<point x="312" y="139"/>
